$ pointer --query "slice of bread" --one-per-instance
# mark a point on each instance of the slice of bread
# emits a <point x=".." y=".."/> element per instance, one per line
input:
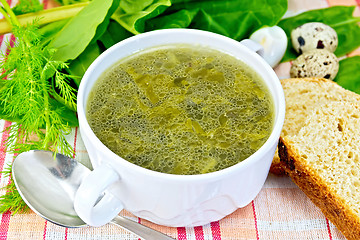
<point x="302" y="96"/>
<point x="323" y="159"/>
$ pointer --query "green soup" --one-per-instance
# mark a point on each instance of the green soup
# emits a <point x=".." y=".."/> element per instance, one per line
<point x="181" y="109"/>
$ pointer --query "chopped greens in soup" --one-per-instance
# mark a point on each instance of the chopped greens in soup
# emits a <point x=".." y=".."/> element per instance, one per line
<point x="181" y="109"/>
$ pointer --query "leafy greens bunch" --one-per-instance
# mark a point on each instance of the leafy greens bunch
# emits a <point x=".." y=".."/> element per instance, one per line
<point x="25" y="93"/>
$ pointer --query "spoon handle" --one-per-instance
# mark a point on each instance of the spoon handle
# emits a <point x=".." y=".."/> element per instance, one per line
<point x="139" y="229"/>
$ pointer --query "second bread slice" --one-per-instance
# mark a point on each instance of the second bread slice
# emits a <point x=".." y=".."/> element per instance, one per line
<point x="302" y="96"/>
<point x="323" y="159"/>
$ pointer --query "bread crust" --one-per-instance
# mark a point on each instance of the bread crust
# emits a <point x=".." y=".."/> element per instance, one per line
<point x="310" y="79"/>
<point x="308" y="180"/>
<point x="276" y="166"/>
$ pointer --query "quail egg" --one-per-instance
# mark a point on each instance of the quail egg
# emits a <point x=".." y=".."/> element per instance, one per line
<point x="274" y="41"/>
<point x="314" y="35"/>
<point x="315" y="63"/>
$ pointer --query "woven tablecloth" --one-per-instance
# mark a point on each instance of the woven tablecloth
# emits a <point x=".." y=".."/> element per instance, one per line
<point x="280" y="211"/>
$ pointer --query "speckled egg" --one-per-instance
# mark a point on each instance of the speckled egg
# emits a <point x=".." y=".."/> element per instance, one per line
<point x="315" y="63"/>
<point x="314" y="35"/>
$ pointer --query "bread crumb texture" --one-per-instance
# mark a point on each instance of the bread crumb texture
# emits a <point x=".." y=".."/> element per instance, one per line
<point x="302" y="96"/>
<point x="329" y="144"/>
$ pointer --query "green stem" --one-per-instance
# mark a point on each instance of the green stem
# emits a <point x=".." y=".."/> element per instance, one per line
<point x="44" y="16"/>
<point x="6" y="17"/>
<point x="10" y="13"/>
<point x="46" y="142"/>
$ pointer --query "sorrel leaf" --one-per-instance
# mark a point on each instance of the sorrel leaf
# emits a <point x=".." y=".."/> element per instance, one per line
<point x="77" y="34"/>
<point x="235" y="19"/>
<point x="132" y="14"/>
<point x="349" y="76"/>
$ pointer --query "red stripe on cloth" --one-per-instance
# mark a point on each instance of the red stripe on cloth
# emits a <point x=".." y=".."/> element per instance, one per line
<point x="11" y="42"/>
<point x="328" y="228"/>
<point x="4" y="225"/>
<point x="5" y="220"/>
<point x="75" y="140"/>
<point x="181" y="233"/>
<point x="215" y="230"/>
<point x="199" y="233"/>
<point x="255" y="219"/>
<point x="74" y="154"/>
<point x="139" y="221"/>
<point x="46" y="4"/>
<point x="45" y="230"/>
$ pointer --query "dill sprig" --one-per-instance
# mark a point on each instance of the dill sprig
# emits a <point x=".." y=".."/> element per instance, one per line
<point x="25" y="94"/>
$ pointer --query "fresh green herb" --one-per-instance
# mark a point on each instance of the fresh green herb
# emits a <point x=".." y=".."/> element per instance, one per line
<point x="114" y="34"/>
<point x="76" y="38"/>
<point x="77" y="34"/>
<point x="132" y="14"/>
<point x="235" y="19"/>
<point x="41" y="122"/>
<point x="44" y="17"/>
<point x="348" y="75"/>
<point x="25" y="91"/>
<point x="79" y="65"/>
<point x="339" y="17"/>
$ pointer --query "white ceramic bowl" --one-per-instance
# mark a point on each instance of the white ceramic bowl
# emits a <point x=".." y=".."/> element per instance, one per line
<point x="171" y="200"/>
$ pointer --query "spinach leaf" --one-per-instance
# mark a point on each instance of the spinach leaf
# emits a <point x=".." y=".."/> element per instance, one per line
<point x="132" y="14"/>
<point x="114" y="34"/>
<point x="339" y="17"/>
<point x="67" y="116"/>
<point x="179" y="19"/>
<point x="349" y="76"/>
<point x="235" y="19"/>
<point x="50" y="30"/>
<point x="76" y="35"/>
<point x="78" y="66"/>
<point x="101" y="29"/>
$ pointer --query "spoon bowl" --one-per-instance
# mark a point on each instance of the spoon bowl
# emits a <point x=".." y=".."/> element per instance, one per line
<point x="48" y="184"/>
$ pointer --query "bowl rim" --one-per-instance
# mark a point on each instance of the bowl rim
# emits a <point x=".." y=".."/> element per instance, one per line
<point x="278" y="96"/>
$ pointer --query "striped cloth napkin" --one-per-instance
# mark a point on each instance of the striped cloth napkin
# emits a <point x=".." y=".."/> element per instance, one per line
<point x="280" y="211"/>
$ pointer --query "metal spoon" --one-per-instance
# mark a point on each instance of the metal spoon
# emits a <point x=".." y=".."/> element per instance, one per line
<point x="48" y="185"/>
